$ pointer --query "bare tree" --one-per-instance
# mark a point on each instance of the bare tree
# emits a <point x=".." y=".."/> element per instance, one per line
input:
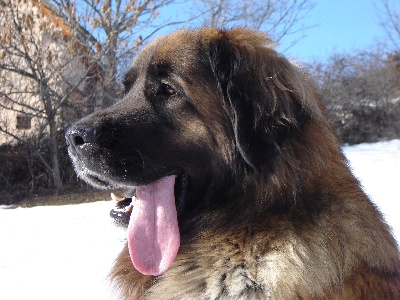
<point x="113" y="30"/>
<point x="39" y="72"/>
<point x="277" y="18"/>
<point x="361" y="91"/>
<point x="389" y="13"/>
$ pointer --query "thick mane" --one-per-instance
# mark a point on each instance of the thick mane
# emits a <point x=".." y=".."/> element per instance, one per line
<point x="270" y="98"/>
<point x="278" y="121"/>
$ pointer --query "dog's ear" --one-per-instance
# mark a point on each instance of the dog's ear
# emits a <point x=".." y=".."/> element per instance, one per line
<point x="270" y="99"/>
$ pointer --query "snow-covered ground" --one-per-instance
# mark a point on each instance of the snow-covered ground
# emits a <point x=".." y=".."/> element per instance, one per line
<point x="377" y="166"/>
<point x="66" y="252"/>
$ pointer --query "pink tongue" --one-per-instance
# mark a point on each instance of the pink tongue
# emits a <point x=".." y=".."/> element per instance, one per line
<point x="153" y="233"/>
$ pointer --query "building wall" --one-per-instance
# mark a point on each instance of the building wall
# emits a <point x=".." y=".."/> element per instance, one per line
<point x="54" y="57"/>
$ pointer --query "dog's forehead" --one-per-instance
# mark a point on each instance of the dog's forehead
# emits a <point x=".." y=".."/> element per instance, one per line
<point x="179" y="50"/>
<point x="174" y="50"/>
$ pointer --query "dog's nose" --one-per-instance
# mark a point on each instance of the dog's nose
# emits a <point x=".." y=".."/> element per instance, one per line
<point x="78" y="135"/>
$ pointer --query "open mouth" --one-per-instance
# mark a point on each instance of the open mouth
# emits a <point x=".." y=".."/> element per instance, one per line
<point x="121" y="213"/>
<point x="151" y="216"/>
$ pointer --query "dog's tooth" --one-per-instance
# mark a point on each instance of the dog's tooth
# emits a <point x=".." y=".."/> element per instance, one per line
<point x="116" y="198"/>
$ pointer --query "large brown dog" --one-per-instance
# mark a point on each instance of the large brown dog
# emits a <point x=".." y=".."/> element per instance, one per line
<point x="242" y="191"/>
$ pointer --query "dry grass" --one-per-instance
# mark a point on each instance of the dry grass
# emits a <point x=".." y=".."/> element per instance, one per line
<point x="66" y="197"/>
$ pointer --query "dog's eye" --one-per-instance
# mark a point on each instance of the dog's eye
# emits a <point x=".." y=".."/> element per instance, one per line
<point x="167" y="90"/>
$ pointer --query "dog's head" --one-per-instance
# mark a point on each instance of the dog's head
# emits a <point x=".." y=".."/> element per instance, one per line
<point x="189" y="96"/>
<point x="201" y="109"/>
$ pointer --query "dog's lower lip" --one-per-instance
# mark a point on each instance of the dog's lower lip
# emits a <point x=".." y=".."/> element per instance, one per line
<point x="101" y="182"/>
<point x="121" y="215"/>
<point x="98" y="180"/>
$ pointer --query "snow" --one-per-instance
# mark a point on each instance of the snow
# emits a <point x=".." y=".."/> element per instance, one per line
<point x="377" y="166"/>
<point x="62" y="252"/>
<point x="65" y="252"/>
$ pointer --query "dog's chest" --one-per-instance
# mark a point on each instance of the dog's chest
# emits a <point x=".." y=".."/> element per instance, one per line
<point x="247" y="266"/>
<point x="229" y="271"/>
<point x="216" y="282"/>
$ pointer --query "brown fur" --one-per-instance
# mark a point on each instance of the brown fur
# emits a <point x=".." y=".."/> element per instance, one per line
<point x="273" y="211"/>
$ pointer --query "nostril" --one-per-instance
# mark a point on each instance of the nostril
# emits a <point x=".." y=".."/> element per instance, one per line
<point x="78" y="135"/>
<point x="78" y="140"/>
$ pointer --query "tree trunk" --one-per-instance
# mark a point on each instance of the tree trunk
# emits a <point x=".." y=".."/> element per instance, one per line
<point x="55" y="157"/>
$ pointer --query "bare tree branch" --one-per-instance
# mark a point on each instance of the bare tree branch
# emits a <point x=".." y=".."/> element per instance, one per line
<point x="361" y="91"/>
<point x="277" y="18"/>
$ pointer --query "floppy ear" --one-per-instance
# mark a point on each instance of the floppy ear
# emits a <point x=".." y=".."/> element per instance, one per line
<point x="269" y="99"/>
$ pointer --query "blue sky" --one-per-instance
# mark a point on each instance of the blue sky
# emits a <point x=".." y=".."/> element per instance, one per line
<point x="341" y="26"/>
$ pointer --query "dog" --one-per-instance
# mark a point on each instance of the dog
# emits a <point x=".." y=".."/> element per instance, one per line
<point x="241" y="188"/>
